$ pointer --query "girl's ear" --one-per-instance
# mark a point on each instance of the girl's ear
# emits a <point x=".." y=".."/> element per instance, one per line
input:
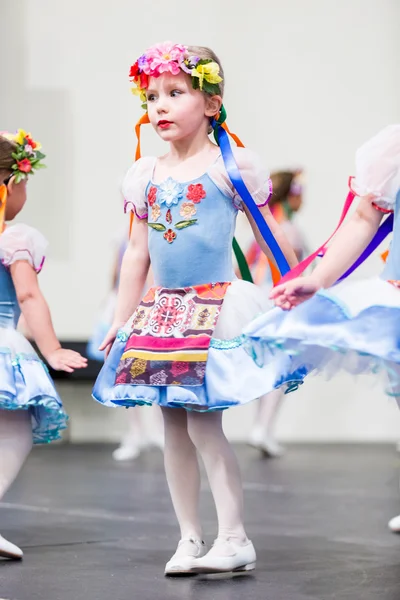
<point x="213" y="105"/>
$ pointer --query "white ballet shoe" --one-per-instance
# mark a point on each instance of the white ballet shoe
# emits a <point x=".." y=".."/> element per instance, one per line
<point x="9" y="550"/>
<point x="127" y="452"/>
<point x="267" y="445"/>
<point x="188" y="551"/>
<point x="227" y="555"/>
<point x="394" y="524"/>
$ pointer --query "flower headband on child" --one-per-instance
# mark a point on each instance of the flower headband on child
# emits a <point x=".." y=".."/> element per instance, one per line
<point x="173" y="58"/>
<point x="27" y="156"/>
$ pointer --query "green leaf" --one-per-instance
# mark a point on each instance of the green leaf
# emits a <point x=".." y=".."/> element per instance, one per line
<point x="184" y="224"/>
<point x="39" y="155"/>
<point x="205" y="61"/>
<point x="211" y="88"/>
<point x="157" y="226"/>
<point x="40" y="166"/>
<point x="196" y="83"/>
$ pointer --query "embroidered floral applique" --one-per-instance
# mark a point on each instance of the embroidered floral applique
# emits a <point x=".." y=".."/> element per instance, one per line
<point x="170" y="192"/>
<point x="152" y="196"/>
<point x="196" y="192"/>
<point x="155" y="212"/>
<point x="170" y="236"/>
<point x="188" y="210"/>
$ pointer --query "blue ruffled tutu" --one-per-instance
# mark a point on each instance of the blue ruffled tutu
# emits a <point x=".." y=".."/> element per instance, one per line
<point x="25" y="384"/>
<point x="353" y="327"/>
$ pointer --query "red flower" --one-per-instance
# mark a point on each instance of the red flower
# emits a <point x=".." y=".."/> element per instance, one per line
<point x="143" y="81"/>
<point x="134" y="72"/>
<point x="24" y="165"/>
<point x="169" y="216"/>
<point x="30" y="141"/>
<point x="169" y="235"/>
<point x="196" y="192"/>
<point x="152" y="195"/>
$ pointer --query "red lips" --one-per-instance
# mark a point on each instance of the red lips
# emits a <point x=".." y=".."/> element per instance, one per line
<point x="164" y="124"/>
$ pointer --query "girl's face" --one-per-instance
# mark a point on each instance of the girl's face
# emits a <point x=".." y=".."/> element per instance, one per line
<point x="176" y="110"/>
<point x="16" y="198"/>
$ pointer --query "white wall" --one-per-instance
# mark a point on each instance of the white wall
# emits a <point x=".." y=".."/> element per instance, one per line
<point x="306" y="83"/>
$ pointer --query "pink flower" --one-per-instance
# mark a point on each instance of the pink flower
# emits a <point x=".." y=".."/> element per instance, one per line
<point x="163" y="58"/>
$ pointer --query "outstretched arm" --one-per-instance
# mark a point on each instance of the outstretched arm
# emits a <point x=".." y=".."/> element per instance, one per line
<point x="347" y="246"/>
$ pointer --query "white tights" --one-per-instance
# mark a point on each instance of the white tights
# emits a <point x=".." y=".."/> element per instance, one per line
<point x="186" y="432"/>
<point x="15" y="445"/>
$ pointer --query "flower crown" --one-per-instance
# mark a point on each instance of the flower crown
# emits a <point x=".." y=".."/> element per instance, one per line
<point x="173" y="58"/>
<point x="28" y="157"/>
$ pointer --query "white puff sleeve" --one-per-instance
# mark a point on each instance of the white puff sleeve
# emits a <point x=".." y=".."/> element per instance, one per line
<point x="21" y="242"/>
<point x="378" y="168"/>
<point x="254" y="174"/>
<point x="134" y="186"/>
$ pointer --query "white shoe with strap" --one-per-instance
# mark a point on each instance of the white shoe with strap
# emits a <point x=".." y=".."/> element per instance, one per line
<point x="9" y="550"/>
<point x="188" y="551"/>
<point x="227" y="555"/>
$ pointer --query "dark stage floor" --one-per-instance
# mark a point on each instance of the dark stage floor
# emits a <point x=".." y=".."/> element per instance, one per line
<point x="92" y="529"/>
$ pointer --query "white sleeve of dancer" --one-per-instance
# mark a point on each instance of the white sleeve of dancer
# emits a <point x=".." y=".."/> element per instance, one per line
<point x="254" y="174"/>
<point x="21" y="242"/>
<point x="378" y="168"/>
<point x="135" y="184"/>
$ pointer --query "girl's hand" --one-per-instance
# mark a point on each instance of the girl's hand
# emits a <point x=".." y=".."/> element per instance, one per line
<point x="110" y="338"/>
<point x="66" y="360"/>
<point x="295" y="292"/>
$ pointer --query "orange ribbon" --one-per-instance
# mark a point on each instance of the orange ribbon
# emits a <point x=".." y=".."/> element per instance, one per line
<point x="3" y="202"/>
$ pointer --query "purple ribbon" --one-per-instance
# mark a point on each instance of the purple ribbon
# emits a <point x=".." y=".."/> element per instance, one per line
<point x="384" y="230"/>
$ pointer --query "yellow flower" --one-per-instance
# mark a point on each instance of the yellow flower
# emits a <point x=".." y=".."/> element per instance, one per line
<point x="19" y="138"/>
<point x="137" y="91"/>
<point x="208" y="72"/>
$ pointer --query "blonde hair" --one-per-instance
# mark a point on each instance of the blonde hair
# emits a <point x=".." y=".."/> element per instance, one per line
<point x="7" y="148"/>
<point x="206" y="53"/>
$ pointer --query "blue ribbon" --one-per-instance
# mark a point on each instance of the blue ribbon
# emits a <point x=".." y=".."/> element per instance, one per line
<point x="240" y="186"/>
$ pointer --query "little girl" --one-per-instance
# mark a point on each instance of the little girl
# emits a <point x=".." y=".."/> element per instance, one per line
<point x="30" y="409"/>
<point x="180" y="346"/>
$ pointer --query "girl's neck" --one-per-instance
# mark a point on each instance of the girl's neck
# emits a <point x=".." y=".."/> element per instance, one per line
<point x="188" y="147"/>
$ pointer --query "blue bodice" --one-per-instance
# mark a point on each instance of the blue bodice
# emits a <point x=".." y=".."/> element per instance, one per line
<point x="9" y="308"/>
<point x="191" y="227"/>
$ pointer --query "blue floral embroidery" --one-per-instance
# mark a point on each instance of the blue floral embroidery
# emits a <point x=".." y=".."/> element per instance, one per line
<point x="170" y="192"/>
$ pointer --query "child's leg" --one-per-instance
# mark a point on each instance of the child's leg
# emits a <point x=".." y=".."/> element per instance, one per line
<point x="15" y="445"/>
<point x="262" y="435"/>
<point x="182" y="471"/>
<point x="183" y="476"/>
<point x="232" y="551"/>
<point x="206" y="432"/>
